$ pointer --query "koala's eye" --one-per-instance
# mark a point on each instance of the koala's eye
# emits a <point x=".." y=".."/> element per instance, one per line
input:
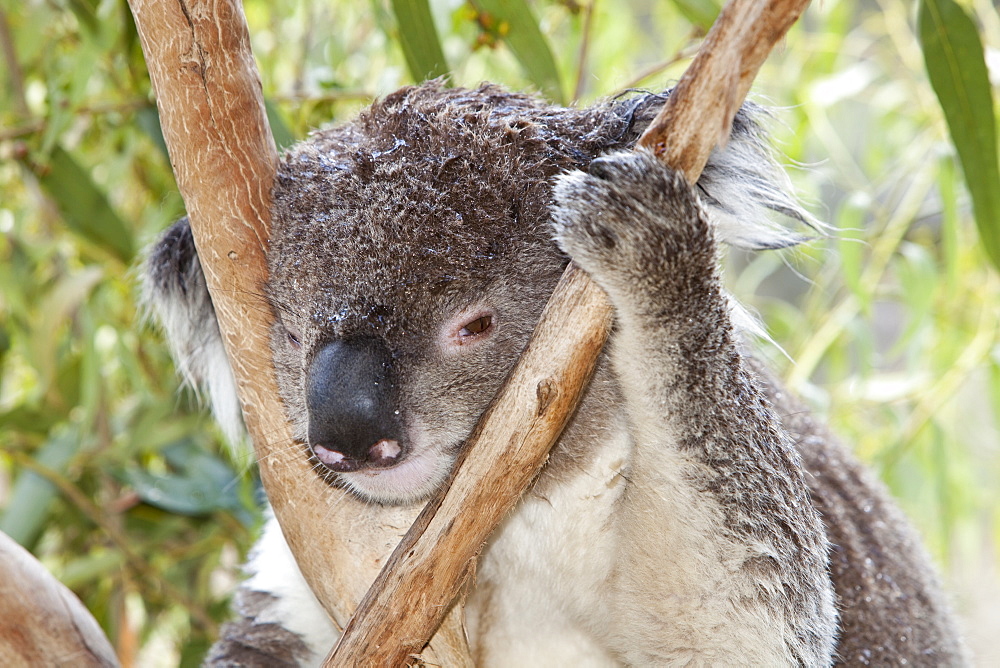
<point x="469" y="327"/>
<point x="293" y="338"/>
<point x="477" y="326"/>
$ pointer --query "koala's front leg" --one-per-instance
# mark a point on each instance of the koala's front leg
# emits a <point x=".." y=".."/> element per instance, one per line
<point x="722" y="557"/>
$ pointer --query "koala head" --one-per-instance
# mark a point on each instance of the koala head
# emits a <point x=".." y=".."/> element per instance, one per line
<point x="410" y="257"/>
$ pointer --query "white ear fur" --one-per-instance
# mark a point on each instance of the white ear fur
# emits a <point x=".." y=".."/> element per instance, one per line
<point x="750" y="201"/>
<point x="743" y="188"/>
<point x="174" y="291"/>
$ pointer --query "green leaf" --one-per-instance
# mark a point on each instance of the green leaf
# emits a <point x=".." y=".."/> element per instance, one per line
<point x="953" y="53"/>
<point x="701" y="13"/>
<point x="27" y="421"/>
<point x="851" y="251"/>
<point x="4" y="339"/>
<point x="419" y="39"/>
<point x="83" y="205"/>
<point x="90" y="568"/>
<point x="148" y="119"/>
<point x="56" y="307"/>
<point x="202" y="483"/>
<point x="515" y="24"/>
<point x="283" y="137"/>
<point x="27" y="511"/>
<point x="86" y="13"/>
<point x="918" y="278"/>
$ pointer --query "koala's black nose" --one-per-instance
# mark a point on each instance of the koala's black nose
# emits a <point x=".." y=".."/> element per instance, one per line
<point x="350" y="398"/>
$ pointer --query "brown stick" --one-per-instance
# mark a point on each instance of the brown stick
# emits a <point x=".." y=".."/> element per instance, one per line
<point x="511" y="443"/>
<point x="42" y="623"/>
<point x="699" y="113"/>
<point x="212" y="113"/>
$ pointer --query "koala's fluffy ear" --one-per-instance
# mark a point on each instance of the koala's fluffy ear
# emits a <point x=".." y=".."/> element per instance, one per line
<point x="174" y="290"/>
<point x="749" y="197"/>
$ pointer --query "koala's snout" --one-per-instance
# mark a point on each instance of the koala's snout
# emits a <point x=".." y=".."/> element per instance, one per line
<point x="350" y="397"/>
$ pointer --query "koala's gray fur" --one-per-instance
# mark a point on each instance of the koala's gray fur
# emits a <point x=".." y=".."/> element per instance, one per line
<point x="692" y="512"/>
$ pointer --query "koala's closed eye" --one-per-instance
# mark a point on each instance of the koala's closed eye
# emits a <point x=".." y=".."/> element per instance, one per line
<point x="292" y="333"/>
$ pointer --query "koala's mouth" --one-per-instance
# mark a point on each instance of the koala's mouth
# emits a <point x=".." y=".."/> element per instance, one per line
<point x="384" y="454"/>
<point x="391" y="473"/>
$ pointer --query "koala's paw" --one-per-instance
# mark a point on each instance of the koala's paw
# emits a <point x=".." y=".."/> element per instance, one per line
<point x="629" y="218"/>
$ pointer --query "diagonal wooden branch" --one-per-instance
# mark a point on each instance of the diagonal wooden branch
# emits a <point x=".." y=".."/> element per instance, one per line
<point x="511" y="443"/>
<point x="42" y="623"/>
<point x="211" y="109"/>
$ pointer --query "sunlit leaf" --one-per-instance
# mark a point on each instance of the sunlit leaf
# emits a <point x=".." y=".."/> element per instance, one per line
<point x="918" y="277"/>
<point x="956" y="65"/>
<point x="27" y="510"/>
<point x="852" y="252"/>
<point x="702" y="13"/>
<point x="201" y="483"/>
<point x="86" y="13"/>
<point x="419" y="39"/>
<point x="56" y="307"/>
<point x="86" y="569"/>
<point x="83" y="205"/>
<point x="283" y="137"/>
<point x="516" y="25"/>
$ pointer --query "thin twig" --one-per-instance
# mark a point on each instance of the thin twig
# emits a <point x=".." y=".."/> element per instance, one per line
<point x="95" y="109"/>
<point x="685" y="53"/>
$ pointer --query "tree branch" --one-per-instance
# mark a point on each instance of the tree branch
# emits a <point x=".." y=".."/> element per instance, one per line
<point x="212" y="112"/>
<point x="511" y="443"/>
<point x="42" y="623"/>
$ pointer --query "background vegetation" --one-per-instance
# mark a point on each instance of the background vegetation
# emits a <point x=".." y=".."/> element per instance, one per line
<point x="111" y="474"/>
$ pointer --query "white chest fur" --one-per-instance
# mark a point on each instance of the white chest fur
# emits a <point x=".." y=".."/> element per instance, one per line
<point x="539" y="593"/>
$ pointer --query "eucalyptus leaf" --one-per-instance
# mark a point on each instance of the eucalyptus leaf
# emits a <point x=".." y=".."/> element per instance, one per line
<point x="517" y="26"/>
<point x="956" y="65"/>
<point x="4" y="339"/>
<point x="148" y="119"/>
<point x="27" y="420"/>
<point x="283" y="137"/>
<point x="84" y="206"/>
<point x="419" y="39"/>
<point x="27" y="512"/>
<point x="56" y="307"/>
<point x="701" y="13"/>
<point x="86" y="13"/>
<point x="84" y="570"/>
<point x="918" y="275"/>
<point x="200" y="484"/>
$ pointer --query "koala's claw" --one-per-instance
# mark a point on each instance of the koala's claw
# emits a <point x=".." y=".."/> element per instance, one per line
<point x="627" y="216"/>
<point x="601" y="168"/>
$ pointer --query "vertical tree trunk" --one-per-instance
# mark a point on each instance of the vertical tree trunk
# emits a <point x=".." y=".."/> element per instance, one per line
<point x="211" y="108"/>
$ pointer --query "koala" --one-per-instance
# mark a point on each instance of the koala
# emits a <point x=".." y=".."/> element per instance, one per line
<point x="692" y="513"/>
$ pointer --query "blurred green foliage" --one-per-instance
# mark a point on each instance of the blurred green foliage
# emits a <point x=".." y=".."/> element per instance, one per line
<point x="115" y="478"/>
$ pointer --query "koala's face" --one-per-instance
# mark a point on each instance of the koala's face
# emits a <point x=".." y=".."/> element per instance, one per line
<point x="410" y="260"/>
